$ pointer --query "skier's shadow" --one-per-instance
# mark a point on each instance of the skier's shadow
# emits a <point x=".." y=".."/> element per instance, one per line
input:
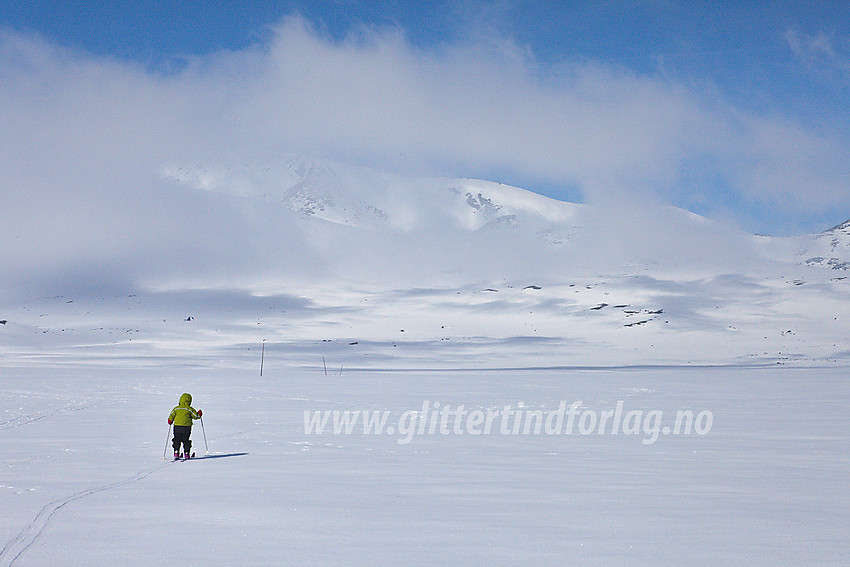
<point x="218" y="456"/>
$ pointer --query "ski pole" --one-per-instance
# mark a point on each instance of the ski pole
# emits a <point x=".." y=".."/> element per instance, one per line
<point x="207" y="447"/>
<point x="166" y="442"/>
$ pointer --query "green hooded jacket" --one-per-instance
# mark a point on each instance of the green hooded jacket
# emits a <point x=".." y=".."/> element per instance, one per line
<point x="184" y="413"/>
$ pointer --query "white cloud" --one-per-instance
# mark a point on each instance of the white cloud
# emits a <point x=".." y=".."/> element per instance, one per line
<point x="488" y="105"/>
<point x="84" y="138"/>
<point x="818" y="53"/>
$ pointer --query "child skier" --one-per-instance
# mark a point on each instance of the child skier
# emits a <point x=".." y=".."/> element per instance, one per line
<point x="182" y="416"/>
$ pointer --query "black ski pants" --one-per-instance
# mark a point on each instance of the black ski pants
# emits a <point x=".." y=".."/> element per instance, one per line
<point x="181" y="436"/>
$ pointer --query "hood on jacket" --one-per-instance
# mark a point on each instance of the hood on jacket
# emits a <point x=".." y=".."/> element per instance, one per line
<point x="186" y="400"/>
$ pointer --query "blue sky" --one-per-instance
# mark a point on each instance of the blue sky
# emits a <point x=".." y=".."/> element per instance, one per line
<point x="734" y="110"/>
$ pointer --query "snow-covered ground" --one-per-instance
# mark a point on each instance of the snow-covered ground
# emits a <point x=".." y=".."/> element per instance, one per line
<point x="705" y="371"/>
<point x="83" y="482"/>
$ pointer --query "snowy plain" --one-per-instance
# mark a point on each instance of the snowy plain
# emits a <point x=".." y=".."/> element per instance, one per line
<point x="83" y="482"/>
<point x="362" y="292"/>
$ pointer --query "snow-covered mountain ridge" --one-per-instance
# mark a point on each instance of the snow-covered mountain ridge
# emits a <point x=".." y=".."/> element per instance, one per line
<point x="832" y="248"/>
<point x="360" y="197"/>
<point x="295" y="251"/>
<point x="555" y="232"/>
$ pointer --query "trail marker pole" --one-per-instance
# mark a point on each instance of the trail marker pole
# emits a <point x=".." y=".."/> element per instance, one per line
<point x="262" y="357"/>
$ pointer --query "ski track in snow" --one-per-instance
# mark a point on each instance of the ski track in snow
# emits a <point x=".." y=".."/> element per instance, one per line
<point x="17" y="546"/>
<point x="30" y="418"/>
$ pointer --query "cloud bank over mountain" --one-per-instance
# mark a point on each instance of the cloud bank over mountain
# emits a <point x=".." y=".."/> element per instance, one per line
<point x="93" y="129"/>
<point x="266" y="226"/>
